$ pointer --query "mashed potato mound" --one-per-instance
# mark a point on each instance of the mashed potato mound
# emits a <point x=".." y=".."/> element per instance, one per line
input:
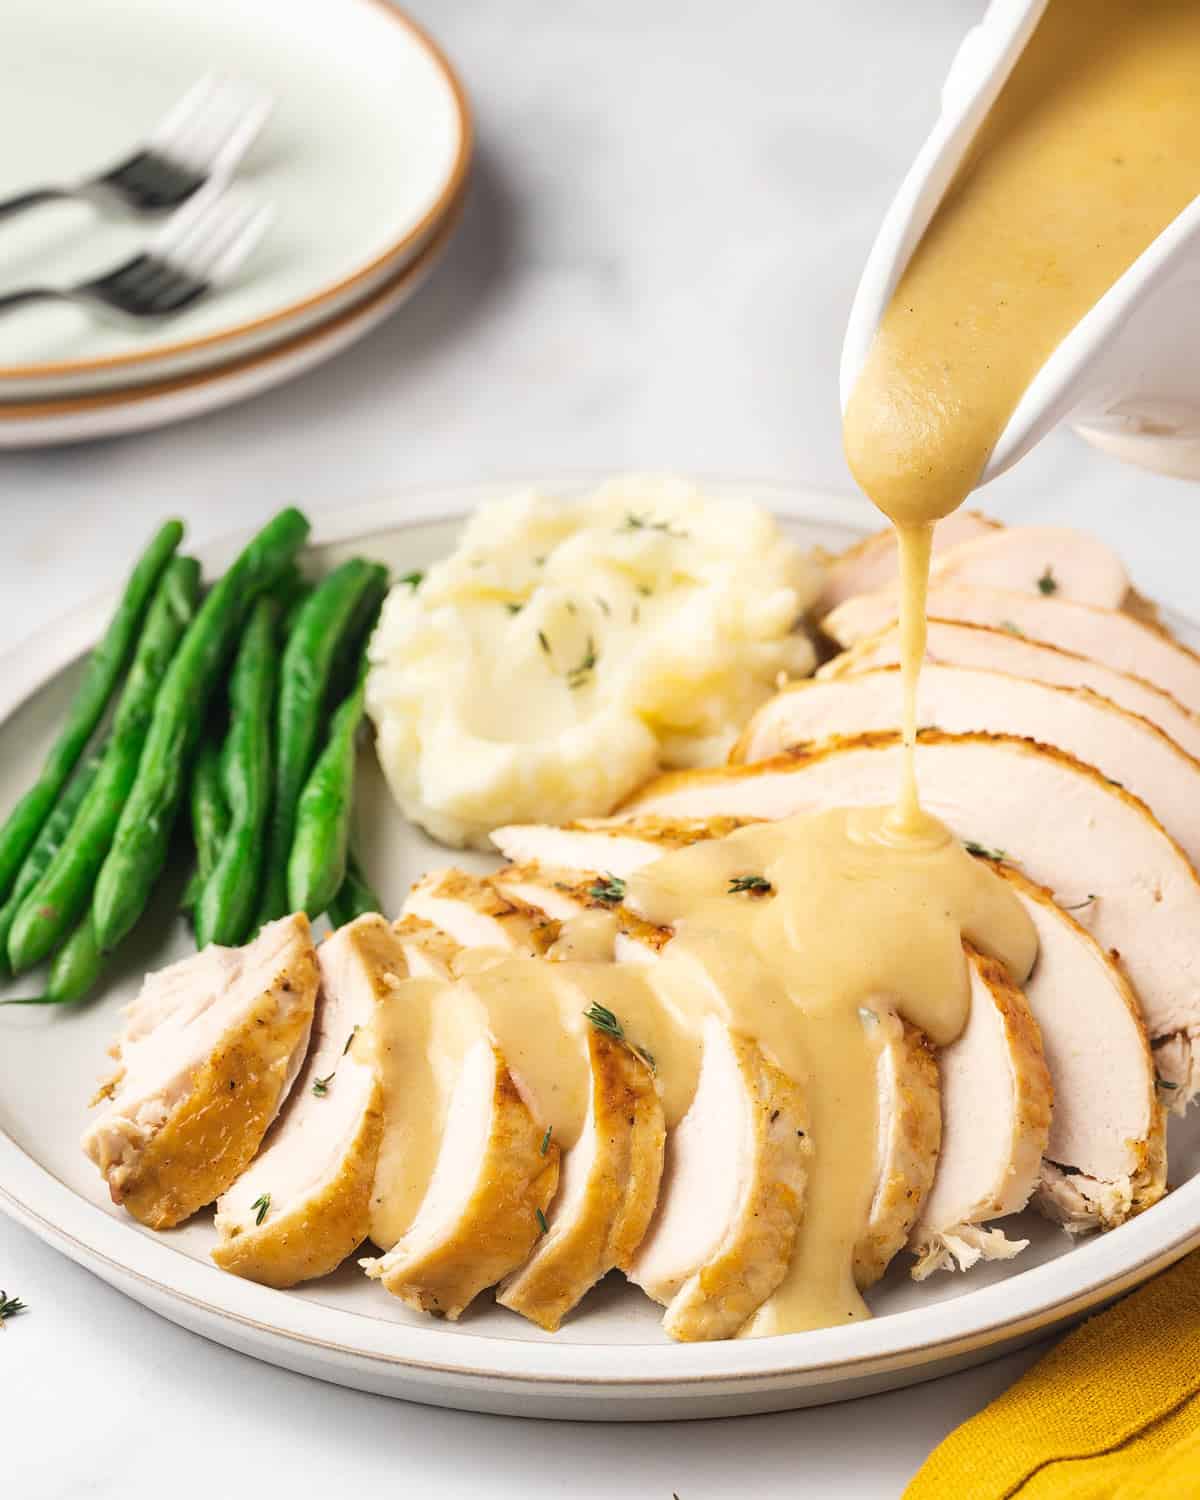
<point x="568" y="649"/>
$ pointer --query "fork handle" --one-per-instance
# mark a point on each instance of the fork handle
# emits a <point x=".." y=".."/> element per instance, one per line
<point x="10" y="207"/>
<point x="9" y="300"/>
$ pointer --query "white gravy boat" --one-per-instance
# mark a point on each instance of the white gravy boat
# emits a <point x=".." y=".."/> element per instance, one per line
<point x="1128" y="375"/>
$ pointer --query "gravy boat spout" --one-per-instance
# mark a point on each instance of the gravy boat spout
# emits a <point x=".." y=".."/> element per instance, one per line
<point x="1126" y="376"/>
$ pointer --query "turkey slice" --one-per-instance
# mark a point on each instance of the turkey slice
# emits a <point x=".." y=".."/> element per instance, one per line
<point x="996" y="1107"/>
<point x="303" y="1204"/>
<point x="909" y="1115"/>
<point x="1067" y="826"/>
<point x="732" y="1195"/>
<point x="872" y="563"/>
<point x="1052" y="561"/>
<point x="486" y="1204"/>
<point x="586" y="844"/>
<point x="611" y="1174"/>
<point x="1125" y="748"/>
<point x="1114" y="637"/>
<point x="1106" y="1156"/>
<point x="960" y="645"/>
<point x="208" y="1052"/>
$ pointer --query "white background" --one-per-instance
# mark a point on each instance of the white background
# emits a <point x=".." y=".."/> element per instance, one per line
<point x="670" y="210"/>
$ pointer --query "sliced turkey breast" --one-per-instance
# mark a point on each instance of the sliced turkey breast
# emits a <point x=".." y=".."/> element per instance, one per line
<point x="611" y="1174"/>
<point x="1067" y="826"/>
<point x="486" y="1204"/>
<point x="1125" y="748"/>
<point x="1052" y="561"/>
<point x="655" y="836"/>
<point x="209" y="1049"/>
<point x="1114" y="637"/>
<point x="960" y="645"/>
<point x="733" y="1193"/>
<point x="871" y="564"/>
<point x="303" y="1204"/>
<point x="1106" y="1157"/>
<point x="608" y="1189"/>
<point x="480" y="916"/>
<point x="996" y="1106"/>
<point x="909" y="1103"/>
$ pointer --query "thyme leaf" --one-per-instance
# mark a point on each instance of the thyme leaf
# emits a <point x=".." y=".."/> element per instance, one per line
<point x="262" y="1203"/>
<point x="1012" y="628"/>
<point x="983" y="852"/>
<point x="321" y="1085"/>
<point x="579" y="675"/>
<point x="541" y="1218"/>
<point x="350" y="1041"/>
<point x="608" y="888"/>
<point x="635" y="522"/>
<point x="1047" y="583"/>
<point x="1165" y="1083"/>
<point x="604" y="1020"/>
<point x="757" y="884"/>
<point x="546" y="1139"/>
<point x="414" y="580"/>
<point x="10" y="1307"/>
<point x="1079" y="905"/>
<point x="543" y="642"/>
<point x="605" y="607"/>
<point x="514" y="609"/>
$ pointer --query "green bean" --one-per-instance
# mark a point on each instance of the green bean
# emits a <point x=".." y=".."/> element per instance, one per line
<point x="46" y="846"/>
<point x="308" y="660"/>
<point x="77" y="966"/>
<point x="355" y="897"/>
<point x="210" y="819"/>
<point x="52" y="908"/>
<point x="104" y="667"/>
<point x="317" y="863"/>
<point x="226" y="905"/>
<point x="139" y="847"/>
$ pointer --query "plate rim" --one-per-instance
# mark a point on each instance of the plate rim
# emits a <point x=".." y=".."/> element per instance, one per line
<point x="178" y="1284"/>
<point x="410" y="274"/>
<point x="410" y="240"/>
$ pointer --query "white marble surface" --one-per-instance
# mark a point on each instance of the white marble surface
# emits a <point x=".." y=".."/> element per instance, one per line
<point x="670" y="210"/>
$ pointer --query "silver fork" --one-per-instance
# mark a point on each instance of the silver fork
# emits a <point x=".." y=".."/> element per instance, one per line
<point x="203" y="136"/>
<point x="200" y="246"/>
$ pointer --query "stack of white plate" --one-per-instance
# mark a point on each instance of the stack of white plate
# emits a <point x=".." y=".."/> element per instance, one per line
<point x="363" y="160"/>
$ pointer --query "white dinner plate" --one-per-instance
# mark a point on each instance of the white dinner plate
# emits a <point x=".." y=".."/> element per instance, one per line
<point x="365" y="151"/>
<point x="47" y="424"/>
<point x="611" y="1360"/>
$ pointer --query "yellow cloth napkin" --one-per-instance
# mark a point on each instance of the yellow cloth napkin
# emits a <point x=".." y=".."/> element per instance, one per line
<point x="1111" y="1413"/>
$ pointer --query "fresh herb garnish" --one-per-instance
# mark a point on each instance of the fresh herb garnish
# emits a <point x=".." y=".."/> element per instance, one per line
<point x="604" y="1020"/>
<point x="572" y="608"/>
<point x="543" y="642"/>
<point x="645" y="590"/>
<point x="757" y="884"/>
<point x="1165" y="1083"/>
<point x="540" y="562"/>
<point x="578" y="675"/>
<point x="546" y="1139"/>
<point x="609" y="888"/>
<point x="1047" y="583"/>
<point x="262" y="1204"/>
<point x="350" y="1041"/>
<point x="1011" y="627"/>
<point x="514" y="609"/>
<point x="321" y="1085"/>
<point x="984" y="852"/>
<point x="1079" y="905"/>
<point x="414" y="580"/>
<point x="635" y="522"/>
<point x="10" y="1307"/>
<point x="541" y="1218"/>
<point x="603" y="603"/>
